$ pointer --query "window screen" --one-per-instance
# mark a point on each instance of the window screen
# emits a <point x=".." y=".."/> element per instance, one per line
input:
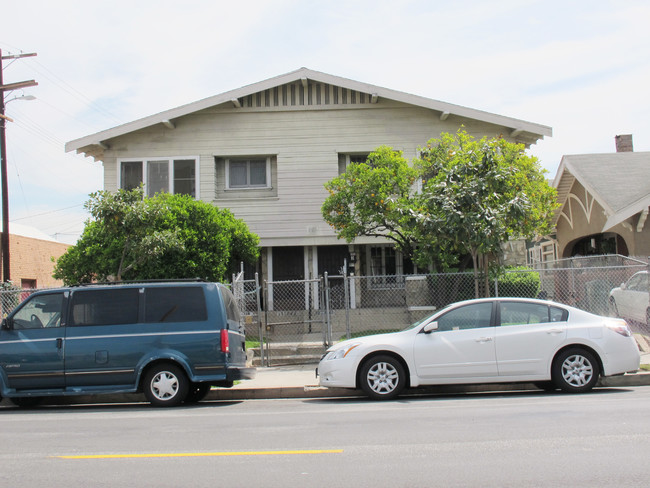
<point x="175" y="304"/>
<point x="157" y="177"/>
<point x="185" y="177"/>
<point x="104" y="307"/>
<point x="131" y="174"/>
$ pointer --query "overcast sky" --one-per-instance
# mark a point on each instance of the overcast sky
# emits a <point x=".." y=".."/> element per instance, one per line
<point x="581" y="67"/>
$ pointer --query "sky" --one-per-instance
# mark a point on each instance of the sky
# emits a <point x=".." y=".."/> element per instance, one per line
<point x="580" y="67"/>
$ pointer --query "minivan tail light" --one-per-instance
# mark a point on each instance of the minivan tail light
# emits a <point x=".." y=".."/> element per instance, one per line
<point x="225" y="341"/>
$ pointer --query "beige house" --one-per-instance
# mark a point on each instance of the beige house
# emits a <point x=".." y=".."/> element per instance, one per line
<point x="265" y="151"/>
<point x="604" y="203"/>
<point x="31" y="256"/>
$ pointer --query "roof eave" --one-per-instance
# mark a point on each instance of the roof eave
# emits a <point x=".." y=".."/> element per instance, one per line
<point x="518" y="127"/>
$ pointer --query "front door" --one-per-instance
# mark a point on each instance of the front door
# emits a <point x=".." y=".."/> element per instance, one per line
<point x="31" y="350"/>
<point x="461" y="348"/>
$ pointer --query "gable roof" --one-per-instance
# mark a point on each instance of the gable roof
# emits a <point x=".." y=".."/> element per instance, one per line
<point x="619" y="182"/>
<point x="528" y="131"/>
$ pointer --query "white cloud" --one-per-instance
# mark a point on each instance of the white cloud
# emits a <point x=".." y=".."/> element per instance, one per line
<point x="581" y="67"/>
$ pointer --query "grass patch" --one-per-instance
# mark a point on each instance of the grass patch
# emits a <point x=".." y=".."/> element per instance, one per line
<point x="363" y="333"/>
<point x="645" y="367"/>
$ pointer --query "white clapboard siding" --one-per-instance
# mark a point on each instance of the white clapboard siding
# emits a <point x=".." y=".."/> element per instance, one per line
<point x="304" y="126"/>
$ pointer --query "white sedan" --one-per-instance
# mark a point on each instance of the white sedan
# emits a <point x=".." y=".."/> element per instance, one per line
<point x="491" y="340"/>
<point x="631" y="300"/>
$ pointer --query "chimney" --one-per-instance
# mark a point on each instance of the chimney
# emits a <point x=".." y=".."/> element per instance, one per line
<point x="624" y="143"/>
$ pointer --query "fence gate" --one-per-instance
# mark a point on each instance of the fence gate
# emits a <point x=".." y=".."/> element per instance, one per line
<point x="295" y="321"/>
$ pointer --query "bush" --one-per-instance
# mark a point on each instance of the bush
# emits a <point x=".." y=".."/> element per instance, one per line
<point x="519" y="282"/>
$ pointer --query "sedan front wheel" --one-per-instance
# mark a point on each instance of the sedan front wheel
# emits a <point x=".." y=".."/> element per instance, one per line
<point x="382" y="377"/>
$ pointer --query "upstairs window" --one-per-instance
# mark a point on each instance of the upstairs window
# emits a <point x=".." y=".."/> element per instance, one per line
<point x="248" y="173"/>
<point x="346" y="159"/>
<point x="160" y="175"/>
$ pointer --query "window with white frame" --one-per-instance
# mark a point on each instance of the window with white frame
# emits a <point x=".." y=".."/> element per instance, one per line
<point x="346" y="159"/>
<point x="161" y="175"/>
<point x="242" y="173"/>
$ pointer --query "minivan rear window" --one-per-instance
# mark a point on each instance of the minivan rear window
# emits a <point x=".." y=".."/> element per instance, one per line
<point x="175" y="304"/>
<point x="104" y="307"/>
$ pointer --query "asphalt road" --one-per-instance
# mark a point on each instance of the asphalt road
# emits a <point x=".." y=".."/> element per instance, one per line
<point x="506" y="439"/>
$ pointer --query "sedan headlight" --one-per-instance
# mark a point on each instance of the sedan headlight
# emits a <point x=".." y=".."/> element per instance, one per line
<point x="341" y="352"/>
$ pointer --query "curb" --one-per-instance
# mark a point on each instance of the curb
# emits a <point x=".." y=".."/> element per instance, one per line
<point x="315" y="391"/>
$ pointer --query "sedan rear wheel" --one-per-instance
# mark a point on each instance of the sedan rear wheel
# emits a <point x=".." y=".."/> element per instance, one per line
<point x="382" y="377"/>
<point x="575" y="371"/>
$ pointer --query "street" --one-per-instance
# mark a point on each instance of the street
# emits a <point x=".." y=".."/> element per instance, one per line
<point x="505" y="439"/>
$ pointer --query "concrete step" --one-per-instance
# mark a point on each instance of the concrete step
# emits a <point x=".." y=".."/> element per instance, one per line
<point x="290" y="353"/>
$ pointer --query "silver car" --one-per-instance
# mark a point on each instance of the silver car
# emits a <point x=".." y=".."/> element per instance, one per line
<point x="631" y="300"/>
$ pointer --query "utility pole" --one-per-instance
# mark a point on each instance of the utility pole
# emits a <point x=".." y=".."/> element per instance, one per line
<point x="6" y="271"/>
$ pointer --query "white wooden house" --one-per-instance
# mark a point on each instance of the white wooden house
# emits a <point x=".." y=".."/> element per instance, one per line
<point x="265" y="151"/>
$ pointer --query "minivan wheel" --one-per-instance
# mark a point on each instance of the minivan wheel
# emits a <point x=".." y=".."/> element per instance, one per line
<point x="575" y="370"/>
<point x="165" y="385"/>
<point x="382" y="377"/>
<point x="197" y="392"/>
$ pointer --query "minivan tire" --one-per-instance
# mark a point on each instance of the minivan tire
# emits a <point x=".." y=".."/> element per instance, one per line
<point x="165" y="385"/>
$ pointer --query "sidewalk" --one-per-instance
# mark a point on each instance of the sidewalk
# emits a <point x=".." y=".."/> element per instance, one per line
<point x="301" y="382"/>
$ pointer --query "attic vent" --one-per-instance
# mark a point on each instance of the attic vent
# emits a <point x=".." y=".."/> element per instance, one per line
<point x="302" y="93"/>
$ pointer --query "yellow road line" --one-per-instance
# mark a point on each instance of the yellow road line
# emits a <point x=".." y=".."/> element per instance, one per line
<point x="202" y="454"/>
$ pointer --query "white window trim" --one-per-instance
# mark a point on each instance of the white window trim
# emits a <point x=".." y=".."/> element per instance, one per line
<point x="170" y="161"/>
<point x="248" y="158"/>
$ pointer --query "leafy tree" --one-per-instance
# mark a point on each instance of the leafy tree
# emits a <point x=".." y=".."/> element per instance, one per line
<point x="163" y="237"/>
<point x="473" y="196"/>
<point x="477" y="194"/>
<point x="371" y="199"/>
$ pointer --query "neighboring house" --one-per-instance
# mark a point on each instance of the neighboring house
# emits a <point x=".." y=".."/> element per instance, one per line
<point x="31" y="253"/>
<point x="265" y="151"/>
<point x="604" y="201"/>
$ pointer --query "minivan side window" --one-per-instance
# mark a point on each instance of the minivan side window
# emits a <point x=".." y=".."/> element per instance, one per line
<point x="104" y="307"/>
<point x="232" y="310"/>
<point x="40" y="311"/>
<point x="175" y="304"/>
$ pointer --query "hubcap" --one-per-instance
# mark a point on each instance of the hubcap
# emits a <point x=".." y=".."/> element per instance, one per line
<point x="577" y="370"/>
<point x="383" y="378"/>
<point x="164" y="385"/>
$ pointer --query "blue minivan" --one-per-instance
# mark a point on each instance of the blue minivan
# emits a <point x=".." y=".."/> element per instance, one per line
<point x="171" y="341"/>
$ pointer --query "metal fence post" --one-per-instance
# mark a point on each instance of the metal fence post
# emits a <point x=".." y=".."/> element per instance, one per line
<point x="328" y="321"/>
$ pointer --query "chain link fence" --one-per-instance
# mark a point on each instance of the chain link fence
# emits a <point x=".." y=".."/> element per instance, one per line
<point x="295" y="321"/>
<point x="300" y="319"/>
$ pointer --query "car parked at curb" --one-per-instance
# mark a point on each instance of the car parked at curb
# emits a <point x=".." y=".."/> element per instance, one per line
<point x="171" y="341"/>
<point x="631" y="300"/>
<point x="490" y="340"/>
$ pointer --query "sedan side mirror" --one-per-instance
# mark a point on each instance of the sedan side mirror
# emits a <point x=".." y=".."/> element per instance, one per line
<point x="430" y="327"/>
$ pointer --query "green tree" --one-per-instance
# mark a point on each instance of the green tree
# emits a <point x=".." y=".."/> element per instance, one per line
<point x="372" y="198"/>
<point x="477" y="194"/>
<point x="163" y="237"/>
<point x="473" y="196"/>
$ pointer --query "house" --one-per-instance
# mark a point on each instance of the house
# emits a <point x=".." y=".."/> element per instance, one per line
<point x="265" y="151"/>
<point x="604" y="201"/>
<point x="31" y="256"/>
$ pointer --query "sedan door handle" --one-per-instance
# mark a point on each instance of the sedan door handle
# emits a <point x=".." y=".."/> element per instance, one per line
<point x="484" y="339"/>
<point x="59" y="343"/>
<point x="554" y="331"/>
